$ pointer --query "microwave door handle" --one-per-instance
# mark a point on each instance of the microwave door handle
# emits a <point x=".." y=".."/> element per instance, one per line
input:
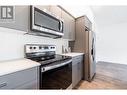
<point x="61" y="26"/>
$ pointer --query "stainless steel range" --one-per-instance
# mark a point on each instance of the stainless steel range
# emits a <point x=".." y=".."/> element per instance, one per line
<point x="55" y="70"/>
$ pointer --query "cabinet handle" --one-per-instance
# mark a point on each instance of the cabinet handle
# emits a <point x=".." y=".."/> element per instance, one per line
<point x="3" y="84"/>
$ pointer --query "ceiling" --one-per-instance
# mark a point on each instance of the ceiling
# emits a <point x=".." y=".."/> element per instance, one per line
<point x="104" y="15"/>
<point x="107" y="15"/>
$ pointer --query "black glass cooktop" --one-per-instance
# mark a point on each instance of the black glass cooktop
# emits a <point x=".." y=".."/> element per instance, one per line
<point x="50" y="59"/>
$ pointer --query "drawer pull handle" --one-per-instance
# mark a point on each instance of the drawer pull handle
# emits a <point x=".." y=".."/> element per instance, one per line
<point x="3" y="84"/>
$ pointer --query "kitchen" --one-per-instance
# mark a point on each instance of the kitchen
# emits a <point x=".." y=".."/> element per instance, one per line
<point x="43" y="43"/>
<point x="54" y="47"/>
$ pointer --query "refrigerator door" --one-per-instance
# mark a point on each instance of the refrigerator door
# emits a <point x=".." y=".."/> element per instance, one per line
<point x="92" y="62"/>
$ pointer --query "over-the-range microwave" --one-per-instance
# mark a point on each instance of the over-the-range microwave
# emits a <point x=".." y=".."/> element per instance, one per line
<point x="44" y="23"/>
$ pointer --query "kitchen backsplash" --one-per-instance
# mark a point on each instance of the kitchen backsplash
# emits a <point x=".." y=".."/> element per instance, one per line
<point x="12" y="43"/>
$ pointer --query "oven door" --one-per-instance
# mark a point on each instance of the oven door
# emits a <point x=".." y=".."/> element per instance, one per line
<point x="56" y="76"/>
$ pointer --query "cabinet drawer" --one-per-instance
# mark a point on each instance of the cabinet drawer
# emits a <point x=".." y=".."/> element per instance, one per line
<point x="78" y="58"/>
<point x="30" y="85"/>
<point x="13" y="80"/>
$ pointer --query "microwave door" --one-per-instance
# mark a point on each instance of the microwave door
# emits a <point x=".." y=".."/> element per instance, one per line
<point x="42" y="22"/>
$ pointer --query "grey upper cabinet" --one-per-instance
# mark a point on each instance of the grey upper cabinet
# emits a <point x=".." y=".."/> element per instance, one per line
<point x="66" y="19"/>
<point x="72" y="29"/>
<point x="69" y="26"/>
<point x="55" y="10"/>
<point x="21" y="19"/>
<point x="88" y="23"/>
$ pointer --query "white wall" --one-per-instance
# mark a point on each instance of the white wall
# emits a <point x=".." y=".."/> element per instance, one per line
<point x="12" y="43"/>
<point x="111" y="43"/>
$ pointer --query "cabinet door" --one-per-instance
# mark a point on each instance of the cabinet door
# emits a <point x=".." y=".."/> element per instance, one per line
<point x="88" y="23"/>
<point x="74" y="74"/>
<point x="72" y="29"/>
<point x="69" y="26"/>
<point x="20" y="21"/>
<point x="66" y="29"/>
<point x="15" y="80"/>
<point x="77" y="70"/>
<point x="80" y="65"/>
<point x="80" y="72"/>
<point x="55" y="10"/>
<point x="29" y="85"/>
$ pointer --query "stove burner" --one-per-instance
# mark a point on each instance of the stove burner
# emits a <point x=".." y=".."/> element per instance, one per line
<point x="50" y="59"/>
<point x="43" y="55"/>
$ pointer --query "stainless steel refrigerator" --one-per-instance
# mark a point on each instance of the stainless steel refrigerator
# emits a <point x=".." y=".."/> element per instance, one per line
<point x="85" y="43"/>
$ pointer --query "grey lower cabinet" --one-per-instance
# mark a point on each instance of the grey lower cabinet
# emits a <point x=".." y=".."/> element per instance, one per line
<point x="30" y="85"/>
<point x="25" y="79"/>
<point x="77" y="70"/>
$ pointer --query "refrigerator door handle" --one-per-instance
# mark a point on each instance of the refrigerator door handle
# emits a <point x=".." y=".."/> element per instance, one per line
<point x="91" y="51"/>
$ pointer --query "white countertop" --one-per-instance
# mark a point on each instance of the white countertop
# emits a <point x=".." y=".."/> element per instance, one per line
<point x="16" y="65"/>
<point x="72" y="54"/>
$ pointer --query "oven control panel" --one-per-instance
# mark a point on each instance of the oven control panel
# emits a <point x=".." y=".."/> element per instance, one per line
<point x="30" y="48"/>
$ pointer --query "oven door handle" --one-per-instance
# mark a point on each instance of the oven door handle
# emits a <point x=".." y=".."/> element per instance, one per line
<point x="47" y="68"/>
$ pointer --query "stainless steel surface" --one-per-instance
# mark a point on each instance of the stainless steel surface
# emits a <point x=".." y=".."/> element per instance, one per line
<point x="70" y="87"/>
<point x="39" y="49"/>
<point x="48" y="30"/>
<point x="42" y="34"/>
<point x="45" y="30"/>
<point x="93" y="54"/>
<point x="61" y="26"/>
<point x="51" y="64"/>
<point x="46" y="68"/>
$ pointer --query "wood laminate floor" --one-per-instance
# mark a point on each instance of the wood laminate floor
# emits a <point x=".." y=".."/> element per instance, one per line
<point x="108" y="76"/>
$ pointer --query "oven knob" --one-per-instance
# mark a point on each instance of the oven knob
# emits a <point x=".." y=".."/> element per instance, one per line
<point x="40" y="47"/>
<point x="34" y="47"/>
<point x="46" y="48"/>
<point x="30" y="47"/>
<point x="52" y="47"/>
<point x="43" y="69"/>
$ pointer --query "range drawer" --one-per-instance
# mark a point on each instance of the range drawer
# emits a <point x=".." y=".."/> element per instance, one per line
<point x="13" y="80"/>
